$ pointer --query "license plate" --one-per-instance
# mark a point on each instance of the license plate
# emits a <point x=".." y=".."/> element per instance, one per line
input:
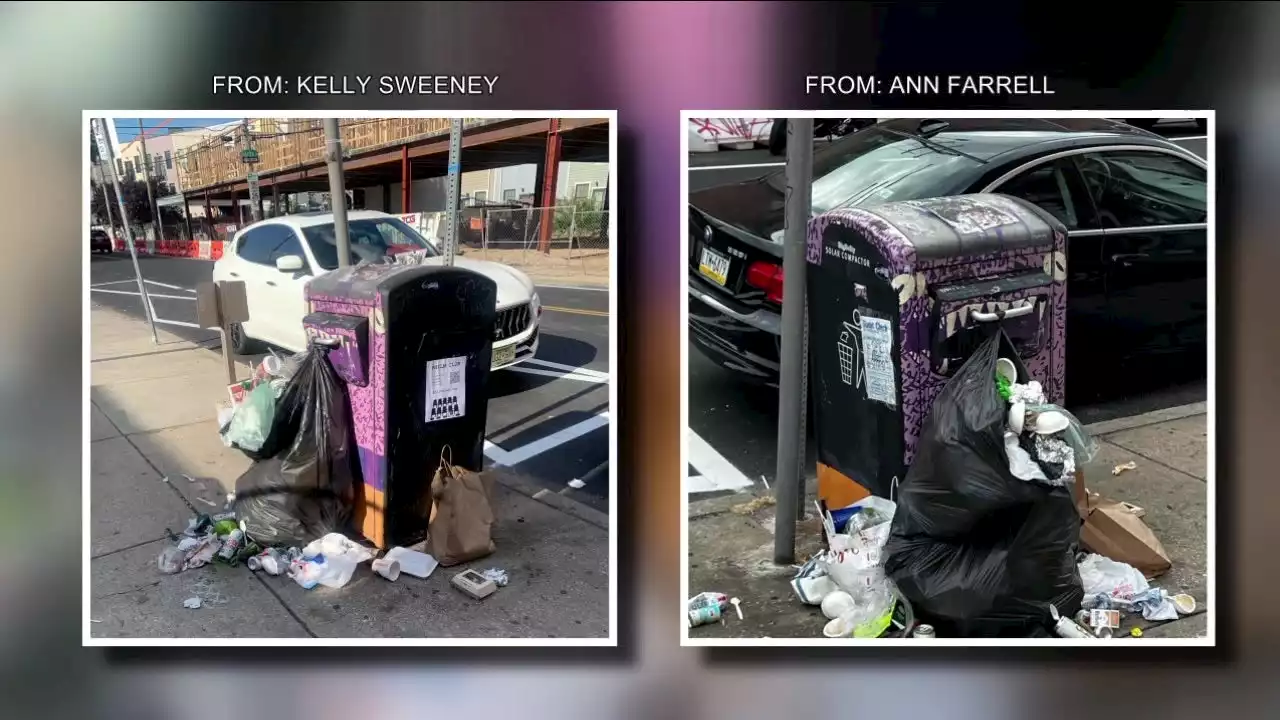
<point x="504" y="355"/>
<point x="714" y="265"/>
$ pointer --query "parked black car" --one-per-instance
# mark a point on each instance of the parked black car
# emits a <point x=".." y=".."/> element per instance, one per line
<point x="99" y="241"/>
<point x="1135" y="206"/>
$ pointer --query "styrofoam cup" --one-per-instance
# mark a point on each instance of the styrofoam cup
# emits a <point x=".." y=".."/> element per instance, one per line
<point x="836" y="604"/>
<point x="389" y="569"/>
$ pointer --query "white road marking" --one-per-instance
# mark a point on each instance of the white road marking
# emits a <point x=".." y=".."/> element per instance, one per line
<point x="171" y="287"/>
<point x="561" y="375"/>
<point x="715" y="473"/>
<point x="508" y="458"/>
<point x="567" y="368"/>
<point x="744" y="166"/>
<point x="136" y="294"/>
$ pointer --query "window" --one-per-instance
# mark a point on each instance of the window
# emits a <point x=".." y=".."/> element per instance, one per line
<point x="597" y="196"/>
<point x="128" y="167"/>
<point x="371" y="239"/>
<point x="168" y="159"/>
<point x="157" y="162"/>
<point x="1137" y="188"/>
<point x="1046" y="185"/>
<point x="258" y="244"/>
<point x="509" y="195"/>
<point x="120" y="168"/>
<point x="581" y="190"/>
<point x="288" y="244"/>
<point x="481" y="196"/>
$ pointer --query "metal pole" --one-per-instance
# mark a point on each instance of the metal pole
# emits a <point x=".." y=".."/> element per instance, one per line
<point x="337" y="190"/>
<point x="108" y="167"/>
<point x="251" y="178"/>
<point x="789" y="480"/>
<point x="146" y="172"/>
<point x="451" y="210"/>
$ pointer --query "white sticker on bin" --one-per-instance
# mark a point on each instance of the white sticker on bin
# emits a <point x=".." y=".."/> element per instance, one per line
<point x="446" y="388"/>
<point x="877" y="354"/>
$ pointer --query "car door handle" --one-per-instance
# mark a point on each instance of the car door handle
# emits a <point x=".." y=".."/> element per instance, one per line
<point x="235" y="274"/>
<point x="1125" y="257"/>
<point x="272" y="283"/>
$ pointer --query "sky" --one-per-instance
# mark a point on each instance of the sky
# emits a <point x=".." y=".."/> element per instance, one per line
<point x="127" y="129"/>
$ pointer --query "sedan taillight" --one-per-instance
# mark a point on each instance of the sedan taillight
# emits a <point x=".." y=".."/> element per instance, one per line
<point x="767" y="277"/>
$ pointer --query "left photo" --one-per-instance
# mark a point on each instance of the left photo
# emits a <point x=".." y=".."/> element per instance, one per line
<point x="349" y="380"/>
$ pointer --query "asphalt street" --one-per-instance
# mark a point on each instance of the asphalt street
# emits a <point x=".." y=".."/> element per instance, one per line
<point x="734" y="425"/>
<point x="548" y="418"/>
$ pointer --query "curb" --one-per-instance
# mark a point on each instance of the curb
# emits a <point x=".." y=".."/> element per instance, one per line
<point x="1107" y="427"/>
<point x="552" y="499"/>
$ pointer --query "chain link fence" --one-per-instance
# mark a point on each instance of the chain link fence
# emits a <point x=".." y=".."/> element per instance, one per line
<point x="566" y="243"/>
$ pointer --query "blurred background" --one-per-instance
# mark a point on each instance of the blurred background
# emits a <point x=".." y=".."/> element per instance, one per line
<point x="649" y="61"/>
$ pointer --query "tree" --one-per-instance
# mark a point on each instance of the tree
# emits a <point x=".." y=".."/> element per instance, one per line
<point x="135" y="200"/>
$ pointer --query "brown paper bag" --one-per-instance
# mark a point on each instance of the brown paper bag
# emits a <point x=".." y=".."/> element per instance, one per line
<point x="1116" y="530"/>
<point x="462" y="515"/>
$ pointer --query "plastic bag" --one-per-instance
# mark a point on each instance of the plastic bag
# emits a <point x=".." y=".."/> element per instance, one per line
<point x="1104" y="576"/>
<point x="856" y="565"/>
<point x="975" y="550"/>
<point x="306" y="490"/>
<point x="1081" y="442"/>
<point x="252" y="421"/>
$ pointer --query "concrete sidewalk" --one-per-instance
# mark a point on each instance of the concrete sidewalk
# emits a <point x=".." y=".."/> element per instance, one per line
<point x="731" y="537"/>
<point x="152" y="417"/>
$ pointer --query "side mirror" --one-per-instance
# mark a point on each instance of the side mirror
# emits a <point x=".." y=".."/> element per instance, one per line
<point x="289" y="263"/>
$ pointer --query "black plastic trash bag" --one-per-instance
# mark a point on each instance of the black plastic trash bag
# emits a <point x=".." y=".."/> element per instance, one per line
<point x="978" y="552"/>
<point x="307" y="489"/>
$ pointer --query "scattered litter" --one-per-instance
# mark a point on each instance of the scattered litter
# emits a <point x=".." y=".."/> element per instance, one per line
<point x="1131" y="465"/>
<point x="704" y="615"/>
<point x="202" y="552"/>
<point x="329" y="561"/>
<point x="271" y="561"/>
<point x="389" y="569"/>
<point x="412" y="562"/>
<point x="759" y="503"/>
<point x="192" y="603"/>
<point x="836" y="604"/>
<point x="497" y="575"/>
<point x="1136" y="632"/>
<point x="225" y="527"/>
<point x="171" y="560"/>
<point x="1184" y="603"/>
<point x="1111" y="585"/>
<point x="210" y="503"/>
<point x="705" y="599"/>
<point x="1066" y="627"/>
<point x="737" y="605"/>
<point x="474" y="584"/>
<point x="232" y="545"/>
<point x="811" y="583"/>
<point x="189" y="478"/>
<point x="577" y="484"/>
<point x="765" y="480"/>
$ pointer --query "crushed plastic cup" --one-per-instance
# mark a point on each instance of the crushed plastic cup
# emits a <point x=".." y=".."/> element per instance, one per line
<point x="389" y="569"/>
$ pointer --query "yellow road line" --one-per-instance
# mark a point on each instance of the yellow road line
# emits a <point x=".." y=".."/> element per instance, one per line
<point x="575" y="311"/>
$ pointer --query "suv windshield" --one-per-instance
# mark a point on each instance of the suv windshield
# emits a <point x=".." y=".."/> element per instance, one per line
<point x="875" y="166"/>
<point x="371" y="239"/>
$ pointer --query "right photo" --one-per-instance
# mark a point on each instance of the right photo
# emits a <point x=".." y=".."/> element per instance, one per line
<point x="949" y="377"/>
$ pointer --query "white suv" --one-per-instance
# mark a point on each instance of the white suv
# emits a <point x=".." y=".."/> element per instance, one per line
<point x="275" y="258"/>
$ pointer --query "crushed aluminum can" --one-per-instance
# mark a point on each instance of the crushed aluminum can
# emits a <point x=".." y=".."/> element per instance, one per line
<point x="271" y="561"/>
<point x="924" y="631"/>
<point x="704" y="615"/>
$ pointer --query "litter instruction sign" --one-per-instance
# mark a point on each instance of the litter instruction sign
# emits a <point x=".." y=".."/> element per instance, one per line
<point x="877" y="354"/>
<point x="446" y="388"/>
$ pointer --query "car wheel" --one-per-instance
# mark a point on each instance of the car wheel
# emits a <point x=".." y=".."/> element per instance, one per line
<point x="778" y="137"/>
<point x="241" y="344"/>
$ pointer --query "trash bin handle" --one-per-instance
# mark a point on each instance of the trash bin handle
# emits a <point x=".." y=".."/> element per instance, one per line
<point x="1002" y="314"/>
<point x="331" y="342"/>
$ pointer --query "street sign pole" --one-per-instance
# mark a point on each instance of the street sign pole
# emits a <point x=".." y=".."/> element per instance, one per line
<point x="250" y="157"/>
<point x="452" y="211"/>
<point x="337" y="190"/>
<point x="146" y="171"/>
<point x="109" y="168"/>
<point x="792" y="381"/>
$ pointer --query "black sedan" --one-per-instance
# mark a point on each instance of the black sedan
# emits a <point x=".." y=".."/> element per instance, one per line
<point x="1135" y="206"/>
<point x="99" y="241"/>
